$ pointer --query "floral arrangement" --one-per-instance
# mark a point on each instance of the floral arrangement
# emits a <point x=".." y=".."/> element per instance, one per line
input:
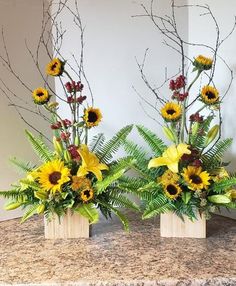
<point x="74" y="176"/>
<point x="187" y="176"/>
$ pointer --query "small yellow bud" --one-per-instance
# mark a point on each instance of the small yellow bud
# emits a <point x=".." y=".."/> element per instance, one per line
<point x="211" y="135"/>
<point x="40" y="209"/>
<point x="57" y="146"/>
<point x="12" y="206"/>
<point x="67" y="156"/>
<point x="169" y="133"/>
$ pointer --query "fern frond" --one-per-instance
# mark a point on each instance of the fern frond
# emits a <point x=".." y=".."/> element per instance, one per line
<point x="121" y="201"/>
<point x="26" y="184"/>
<point x="121" y="216"/>
<point x="22" y="166"/>
<point x="41" y="150"/>
<point x="29" y="213"/>
<point x="105" y="153"/>
<point x="224" y="184"/>
<point x="157" y="206"/>
<point x="213" y="157"/>
<point x="97" y="142"/>
<point x="102" y="185"/>
<point x="154" y="142"/>
<point x="11" y="194"/>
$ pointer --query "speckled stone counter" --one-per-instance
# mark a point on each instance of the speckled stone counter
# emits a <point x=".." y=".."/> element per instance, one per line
<point x="112" y="257"/>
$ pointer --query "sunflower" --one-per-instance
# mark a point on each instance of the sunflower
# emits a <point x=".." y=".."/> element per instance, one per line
<point x="209" y="94"/>
<point x="171" y="111"/>
<point x="92" y="116"/>
<point x="52" y="175"/>
<point x="172" y="190"/>
<point x="203" y="63"/>
<point x="169" y="176"/>
<point x="195" y="178"/>
<point x="40" y="96"/>
<point x="80" y="183"/>
<point x="55" y="67"/>
<point x="87" y="195"/>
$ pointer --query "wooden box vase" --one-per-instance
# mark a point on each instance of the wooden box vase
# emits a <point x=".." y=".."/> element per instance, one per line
<point x="69" y="226"/>
<point x="172" y="226"/>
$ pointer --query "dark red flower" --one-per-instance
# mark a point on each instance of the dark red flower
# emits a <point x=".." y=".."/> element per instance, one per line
<point x="69" y="87"/>
<point x="56" y="125"/>
<point x="196" y="117"/>
<point x="178" y="83"/>
<point x="74" y="152"/>
<point x="66" y="123"/>
<point x="65" y="136"/>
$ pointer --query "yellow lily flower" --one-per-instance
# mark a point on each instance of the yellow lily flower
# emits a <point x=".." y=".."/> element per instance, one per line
<point x="90" y="163"/>
<point x="170" y="157"/>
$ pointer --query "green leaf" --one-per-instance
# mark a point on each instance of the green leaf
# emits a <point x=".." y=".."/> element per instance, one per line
<point x="224" y="184"/>
<point x="97" y="142"/>
<point x="121" y="216"/>
<point x="30" y="212"/>
<point x="112" y="146"/>
<point x="88" y="211"/>
<point x="122" y="201"/>
<point x="22" y="166"/>
<point x="25" y="184"/>
<point x="154" y="142"/>
<point x="43" y="152"/>
<point x="101" y="186"/>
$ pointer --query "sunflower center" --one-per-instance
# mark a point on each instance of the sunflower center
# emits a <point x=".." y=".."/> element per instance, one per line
<point x="54" y="177"/>
<point x="210" y="95"/>
<point x="87" y="193"/>
<point x="172" y="190"/>
<point x="171" y="111"/>
<point x="92" y="117"/>
<point x="196" y="179"/>
<point x="54" y="66"/>
<point x="39" y="94"/>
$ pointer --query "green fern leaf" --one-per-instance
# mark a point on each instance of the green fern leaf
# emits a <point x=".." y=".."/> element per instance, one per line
<point x="30" y="212"/>
<point x="224" y="184"/>
<point x="121" y="201"/>
<point x="155" y="143"/>
<point x="121" y="216"/>
<point x="97" y="142"/>
<point x="22" y="166"/>
<point x="112" y="146"/>
<point x="41" y="150"/>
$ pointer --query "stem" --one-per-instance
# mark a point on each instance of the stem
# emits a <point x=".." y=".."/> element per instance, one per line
<point x="183" y="119"/>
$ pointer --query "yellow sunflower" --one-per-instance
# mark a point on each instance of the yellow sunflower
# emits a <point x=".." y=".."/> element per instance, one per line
<point x="172" y="190"/>
<point x="171" y="111"/>
<point x="80" y="183"/>
<point x="203" y="63"/>
<point x="40" y="95"/>
<point x="87" y="195"/>
<point x="55" y="67"/>
<point x="169" y="176"/>
<point x="196" y="178"/>
<point x="52" y="175"/>
<point x="209" y="94"/>
<point x="92" y="116"/>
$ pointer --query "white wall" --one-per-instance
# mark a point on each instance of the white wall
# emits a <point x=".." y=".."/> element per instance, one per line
<point x="113" y="38"/>
<point x="21" y="19"/>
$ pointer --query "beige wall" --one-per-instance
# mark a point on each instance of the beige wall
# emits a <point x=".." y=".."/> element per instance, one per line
<point x="21" y="19"/>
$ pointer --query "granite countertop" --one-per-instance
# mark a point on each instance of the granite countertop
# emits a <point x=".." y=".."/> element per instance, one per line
<point x="112" y="257"/>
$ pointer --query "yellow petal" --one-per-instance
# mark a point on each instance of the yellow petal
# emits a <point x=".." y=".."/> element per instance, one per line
<point x="97" y="173"/>
<point x="173" y="167"/>
<point x="183" y="149"/>
<point x="102" y="166"/>
<point x="157" y="162"/>
<point x="82" y="172"/>
<point x="171" y="153"/>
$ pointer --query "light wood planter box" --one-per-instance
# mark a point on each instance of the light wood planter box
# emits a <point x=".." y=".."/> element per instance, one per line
<point x="172" y="226"/>
<point x="70" y="226"/>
